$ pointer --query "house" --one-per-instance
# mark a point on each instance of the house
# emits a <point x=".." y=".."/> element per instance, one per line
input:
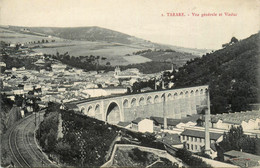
<point x="78" y="71"/>
<point x="58" y="67"/>
<point x="146" y="89"/>
<point x="61" y="89"/>
<point x="145" y="125"/>
<point x="115" y="90"/>
<point x="97" y="92"/>
<point x="40" y="62"/>
<point x="176" y="123"/>
<point x="12" y="45"/>
<point x="242" y="159"/>
<point x="142" y="125"/>
<point x="70" y="106"/>
<point x="127" y="74"/>
<point x="194" y="140"/>
<point x="124" y="124"/>
<point x="18" y="91"/>
<point x="249" y="120"/>
<point x="159" y="121"/>
<point x="35" y="54"/>
<point x="172" y="140"/>
<point x="7" y="90"/>
<point x="2" y="64"/>
<point x="27" y="87"/>
<point x="134" y="123"/>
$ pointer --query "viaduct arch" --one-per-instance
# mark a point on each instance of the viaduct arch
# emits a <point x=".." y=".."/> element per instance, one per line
<point x="178" y="103"/>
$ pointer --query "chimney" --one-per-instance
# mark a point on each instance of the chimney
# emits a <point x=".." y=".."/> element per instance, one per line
<point x="207" y="120"/>
<point x="164" y="114"/>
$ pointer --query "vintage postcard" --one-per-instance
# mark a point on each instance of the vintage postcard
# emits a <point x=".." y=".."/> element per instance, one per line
<point x="130" y="83"/>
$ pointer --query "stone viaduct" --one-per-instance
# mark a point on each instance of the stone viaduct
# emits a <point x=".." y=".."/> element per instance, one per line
<point x="177" y="103"/>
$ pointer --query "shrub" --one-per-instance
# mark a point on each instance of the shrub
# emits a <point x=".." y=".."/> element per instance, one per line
<point x="190" y="160"/>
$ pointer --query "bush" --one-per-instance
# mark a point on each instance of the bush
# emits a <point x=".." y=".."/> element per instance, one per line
<point x="138" y="155"/>
<point x="47" y="132"/>
<point x="190" y="160"/>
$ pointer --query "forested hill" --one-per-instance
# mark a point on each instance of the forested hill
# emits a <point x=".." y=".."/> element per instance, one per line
<point x="231" y="73"/>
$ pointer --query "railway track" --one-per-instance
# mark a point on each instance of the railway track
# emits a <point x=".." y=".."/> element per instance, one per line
<point x="35" y="151"/>
<point x="18" y="159"/>
<point x="23" y="145"/>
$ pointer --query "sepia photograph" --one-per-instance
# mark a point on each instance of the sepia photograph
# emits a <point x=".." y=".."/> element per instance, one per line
<point x="130" y="83"/>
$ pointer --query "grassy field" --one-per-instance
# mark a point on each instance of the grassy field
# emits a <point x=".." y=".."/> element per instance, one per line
<point x="136" y="59"/>
<point x="16" y="37"/>
<point x="162" y="55"/>
<point x="177" y="58"/>
<point x="115" y="53"/>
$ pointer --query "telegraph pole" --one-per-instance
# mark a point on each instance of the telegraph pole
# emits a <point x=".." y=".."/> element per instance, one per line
<point x="39" y="116"/>
<point x="155" y="86"/>
<point x="34" y="112"/>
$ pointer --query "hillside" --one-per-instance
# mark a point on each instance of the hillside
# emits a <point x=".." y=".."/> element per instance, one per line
<point x="116" y="48"/>
<point x="5" y="106"/>
<point x="9" y="113"/>
<point x="231" y="73"/>
<point x="92" y="33"/>
<point x="83" y="137"/>
<point x="98" y="34"/>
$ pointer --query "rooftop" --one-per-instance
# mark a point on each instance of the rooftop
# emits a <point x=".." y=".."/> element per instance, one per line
<point x="238" y="154"/>
<point x="243" y="159"/>
<point x="123" y="124"/>
<point x="174" y="122"/>
<point x="200" y="134"/>
<point x="171" y="139"/>
<point x="237" y="117"/>
<point x="137" y="120"/>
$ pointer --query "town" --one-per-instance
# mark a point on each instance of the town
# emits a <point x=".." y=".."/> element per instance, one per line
<point x="75" y="89"/>
<point x="84" y="89"/>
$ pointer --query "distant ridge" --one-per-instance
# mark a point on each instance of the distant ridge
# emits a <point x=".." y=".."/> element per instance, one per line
<point x="92" y="33"/>
<point x="95" y="33"/>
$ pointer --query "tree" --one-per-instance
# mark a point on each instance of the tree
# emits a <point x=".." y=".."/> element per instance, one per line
<point x="239" y="104"/>
<point x="17" y="46"/>
<point x="235" y="139"/>
<point x="187" y="157"/>
<point x="18" y="100"/>
<point x="25" y="78"/>
<point x="97" y="58"/>
<point x="219" y="104"/>
<point x="233" y="40"/>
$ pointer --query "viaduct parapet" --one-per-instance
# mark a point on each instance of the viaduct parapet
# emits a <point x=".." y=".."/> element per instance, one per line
<point x="178" y="103"/>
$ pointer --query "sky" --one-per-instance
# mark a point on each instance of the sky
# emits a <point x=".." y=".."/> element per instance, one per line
<point x="143" y="18"/>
